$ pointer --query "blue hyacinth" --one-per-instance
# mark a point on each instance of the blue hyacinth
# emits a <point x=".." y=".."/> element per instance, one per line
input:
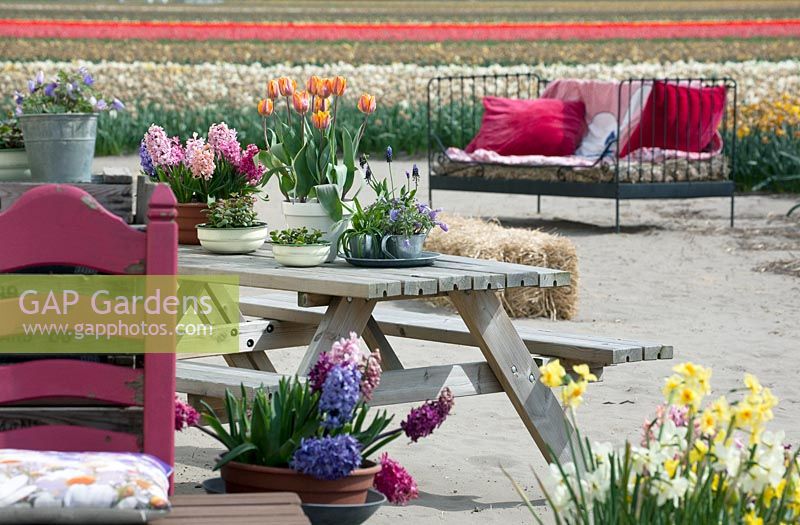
<point x="146" y="161"/>
<point x="340" y="394"/>
<point x="328" y="457"/>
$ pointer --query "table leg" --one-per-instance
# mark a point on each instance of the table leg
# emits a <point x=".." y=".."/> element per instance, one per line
<point x="375" y="339"/>
<point x="511" y="362"/>
<point x="344" y="315"/>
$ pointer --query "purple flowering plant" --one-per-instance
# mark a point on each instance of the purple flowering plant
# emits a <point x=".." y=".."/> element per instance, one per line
<point x="202" y="168"/>
<point x="319" y="426"/>
<point x="67" y="92"/>
<point x="396" y="210"/>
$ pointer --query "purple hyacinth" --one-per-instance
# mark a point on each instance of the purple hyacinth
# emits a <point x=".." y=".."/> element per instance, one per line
<point x="31" y="86"/>
<point x="145" y="160"/>
<point x="87" y="77"/>
<point x="423" y="420"/>
<point x="18" y="98"/>
<point x="389" y="154"/>
<point x="340" y="394"/>
<point x="117" y="105"/>
<point x="415" y="174"/>
<point x="319" y="373"/>
<point x="328" y="457"/>
<point x="40" y="78"/>
<point x="394" y="214"/>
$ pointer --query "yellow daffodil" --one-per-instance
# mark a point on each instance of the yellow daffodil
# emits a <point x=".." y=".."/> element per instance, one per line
<point x="752" y="519"/>
<point x="751" y="382"/>
<point x="771" y="493"/>
<point x="708" y="422"/>
<point x="721" y="410"/>
<point x="552" y="374"/>
<point x="572" y="393"/>
<point x="745" y="415"/>
<point x="671" y="466"/>
<point x="671" y="384"/>
<point x="699" y="451"/>
<point x="584" y="372"/>
<point x="687" y="397"/>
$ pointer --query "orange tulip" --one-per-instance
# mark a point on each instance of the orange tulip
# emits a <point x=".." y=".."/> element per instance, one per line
<point x="312" y="85"/>
<point x="300" y="101"/>
<point x="273" y="91"/>
<point x="322" y="104"/>
<point x="339" y="84"/>
<point x="366" y="104"/>
<point x="287" y="86"/>
<point x="325" y="88"/>
<point x="265" y="107"/>
<point x="321" y="119"/>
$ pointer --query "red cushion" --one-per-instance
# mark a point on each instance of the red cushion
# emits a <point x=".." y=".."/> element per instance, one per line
<point x="679" y="118"/>
<point x="530" y="127"/>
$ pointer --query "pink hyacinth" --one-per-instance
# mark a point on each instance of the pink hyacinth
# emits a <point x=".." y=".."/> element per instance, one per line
<point x="248" y="166"/>
<point x="223" y="140"/>
<point x="177" y="153"/>
<point x="394" y="482"/>
<point x="185" y="415"/>
<point x="679" y="415"/>
<point x="199" y="158"/>
<point x="371" y="375"/>
<point x="158" y="146"/>
<point x="346" y="351"/>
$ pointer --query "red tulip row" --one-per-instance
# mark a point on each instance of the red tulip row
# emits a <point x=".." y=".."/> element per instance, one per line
<point x="396" y="32"/>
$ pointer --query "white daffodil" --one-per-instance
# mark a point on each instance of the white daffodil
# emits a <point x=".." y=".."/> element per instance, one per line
<point x="669" y="490"/>
<point x="729" y="458"/>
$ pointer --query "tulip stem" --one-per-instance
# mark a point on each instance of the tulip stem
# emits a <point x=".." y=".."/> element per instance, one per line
<point x="266" y="140"/>
<point x="289" y="111"/>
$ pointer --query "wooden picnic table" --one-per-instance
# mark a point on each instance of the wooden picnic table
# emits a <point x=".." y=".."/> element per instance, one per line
<point x="236" y="509"/>
<point x="350" y="295"/>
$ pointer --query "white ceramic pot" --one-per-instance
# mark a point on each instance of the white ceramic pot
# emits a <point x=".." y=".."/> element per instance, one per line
<point x="302" y="255"/>
<point x="14" y="165"/>
<point x="232" y="240"/>
<point x="313" y="216"/>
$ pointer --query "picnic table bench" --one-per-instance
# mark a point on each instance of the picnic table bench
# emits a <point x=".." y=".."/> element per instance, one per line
<point x="331" y="301"/>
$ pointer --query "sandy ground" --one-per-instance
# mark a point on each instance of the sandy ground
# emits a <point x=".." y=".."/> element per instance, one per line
<point x="677" y="274"/>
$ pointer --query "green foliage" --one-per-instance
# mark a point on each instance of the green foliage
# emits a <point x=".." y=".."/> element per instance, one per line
<point x="72" y="92"/>
<point x="297" y="237"/>
<point x="237" y="211"/>
<point x="10" y="135"/>
<point x="768" y="161"/>
<point x="268" y="431"/>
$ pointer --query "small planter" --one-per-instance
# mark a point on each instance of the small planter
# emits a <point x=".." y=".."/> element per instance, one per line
<point x="60" y="146"/>
<point x="402" y="246"/>
<point x="190" y="214"/>
<point x="232" y="240"/>
<point x="313" y="216"/>
<point x="364" y="246"/>
<point x="14" y="165"/>
<point x="240" y="477"/>
<point x="301" y="255"/>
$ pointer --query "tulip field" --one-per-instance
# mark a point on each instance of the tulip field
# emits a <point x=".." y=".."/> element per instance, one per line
<point x="186" y="66"/>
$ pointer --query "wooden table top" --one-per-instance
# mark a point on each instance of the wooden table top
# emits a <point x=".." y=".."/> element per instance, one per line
<point x="260" y="270"/>
<point x="236" y="509"/>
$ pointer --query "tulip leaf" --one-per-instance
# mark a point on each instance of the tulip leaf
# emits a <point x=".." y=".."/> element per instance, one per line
<point x="305" y="178"/>
<point x="349" y="159"/>
<point x="328" y="196"/>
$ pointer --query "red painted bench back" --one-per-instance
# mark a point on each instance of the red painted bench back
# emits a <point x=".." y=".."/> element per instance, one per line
<point x="60" y="225"/>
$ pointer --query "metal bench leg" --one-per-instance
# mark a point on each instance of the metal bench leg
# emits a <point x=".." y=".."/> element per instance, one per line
<point x="538" y="204"/>
<point x="617" y="215"/>
<point x="511" y="362"/>
<point x="733" y="197"/>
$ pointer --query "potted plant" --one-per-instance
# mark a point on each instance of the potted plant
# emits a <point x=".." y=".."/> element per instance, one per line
<point x="299" y="247"/>
<point x="13" y="160"/>
<point x="313" y="436"/>
<point x="200" y="170"/>
<point x="232" y="226"/>
<point x="315" y="163"/>
<point x="59" y="122"/>
<point x="396" y="225"/>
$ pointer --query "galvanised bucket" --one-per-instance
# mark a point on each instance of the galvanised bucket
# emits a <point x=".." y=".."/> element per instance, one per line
<point x="60" y="146"/>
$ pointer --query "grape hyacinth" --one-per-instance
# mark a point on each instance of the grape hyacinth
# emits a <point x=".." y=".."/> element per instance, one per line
<point x="423" y="420"/>
<point x="340" y="395"/>
<point x="394" y="482"/>
<point x="327" y="458"/>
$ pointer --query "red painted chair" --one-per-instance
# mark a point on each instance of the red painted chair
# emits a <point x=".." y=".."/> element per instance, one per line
<point x="123" y="409"/>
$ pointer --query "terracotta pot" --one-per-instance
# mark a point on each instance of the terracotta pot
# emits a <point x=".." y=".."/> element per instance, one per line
<point x="240" y="477"/>
<point x="190" y="214"/>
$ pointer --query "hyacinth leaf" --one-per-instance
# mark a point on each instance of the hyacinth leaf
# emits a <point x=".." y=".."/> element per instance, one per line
<point x="234" y="454"/>
<point x="349" y="159"/>
<point x="210" y="418"/>
<point x="328" y="196"/>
